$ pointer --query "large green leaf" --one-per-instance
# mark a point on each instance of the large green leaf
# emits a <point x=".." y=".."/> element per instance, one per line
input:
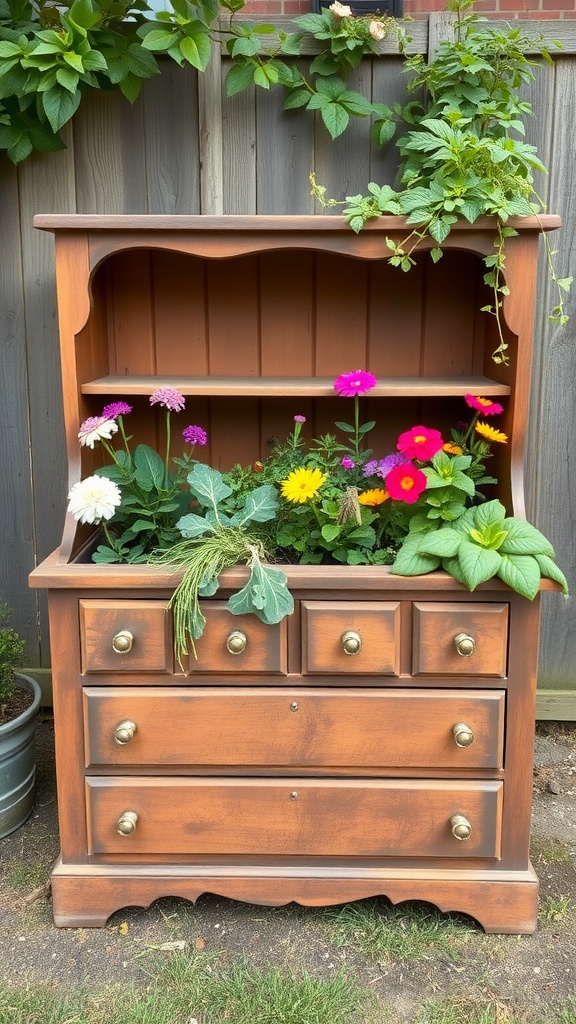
<point x="149" y="468"/>
<point x="444" y="543"/>
<point x="410" y="562"/>
<point x="59" y="106"/>
<point x="549" y="568"/>
<point x="260" y="506"/>
<point x="193" y="526"/>
<point x="266" y="594"/>
<point x="477" y="564"/>
<point x="524" y="539"/>
<point x="207" y="485"/>
<point x="522" y="573"/>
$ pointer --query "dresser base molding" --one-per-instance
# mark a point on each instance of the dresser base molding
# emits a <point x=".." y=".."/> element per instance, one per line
<point x="85" y="896"/>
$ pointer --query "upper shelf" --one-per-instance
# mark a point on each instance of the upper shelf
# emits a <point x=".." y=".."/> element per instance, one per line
<point x="278" y="387"/>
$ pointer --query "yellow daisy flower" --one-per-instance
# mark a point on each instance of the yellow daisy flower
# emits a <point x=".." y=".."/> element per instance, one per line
<point x="374" y="497"/>
<point x="451" y="448"/>
<point x="302" y="484"/>
<point x="490" y="433"/>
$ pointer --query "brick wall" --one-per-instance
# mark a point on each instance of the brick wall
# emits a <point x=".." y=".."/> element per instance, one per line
<point x="417" y="9"/>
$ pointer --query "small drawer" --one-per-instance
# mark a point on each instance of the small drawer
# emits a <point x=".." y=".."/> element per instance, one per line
<point x="238" y="644"/>
<point x="351" y="637"/>
<point x="126" y="636"/>
<point x="309" y="728"/>
<point x="294" y="816"/>
<point x="465" y="639"/>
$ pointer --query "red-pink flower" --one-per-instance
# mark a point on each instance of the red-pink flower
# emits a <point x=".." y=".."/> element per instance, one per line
<point x="357" y="383"/>
<point x="419" y="443"/>
<point x="484" y="405"/>
<point x="405" y="483"/>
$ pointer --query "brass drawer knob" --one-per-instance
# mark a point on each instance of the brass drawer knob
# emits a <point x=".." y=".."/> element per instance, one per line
<point x="351" y="642"/>
<point x="236" y="642"/>
<point x="463" y="735"/>
<point x="461" y="827"/>
<point x="124" y="732"/>
<point x="122" y="642"/>
<point x="465" y="644"/>
<point x="126" y="823"/>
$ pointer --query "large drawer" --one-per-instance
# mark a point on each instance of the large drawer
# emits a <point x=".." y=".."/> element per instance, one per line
<point x="295" y="816"/>
<point x="463" y="639"/>
<point x="301" y="726"/>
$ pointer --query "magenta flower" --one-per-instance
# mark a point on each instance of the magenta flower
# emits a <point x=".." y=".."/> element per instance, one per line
<point x="115" y="409"/>
<point x="484" y="405"/>
<point x="194" y="435"/>
<point x="357" y="383"/>
<point x="169" y="398"/>
<point x="299" y="419"/>
<point x="420" y="443"/>
<point x="405" y="483"/>
<point x="347" y="463"/>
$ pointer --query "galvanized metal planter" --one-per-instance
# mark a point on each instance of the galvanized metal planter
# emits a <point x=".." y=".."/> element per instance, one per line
<point x="18" y="762"/>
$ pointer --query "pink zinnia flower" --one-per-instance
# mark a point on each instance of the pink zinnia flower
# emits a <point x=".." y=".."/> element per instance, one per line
<point x="115" y="409"/>
<point x="169" y="398"/>
<point x="299" y="419"/>
<point x="194" y="435"/>
<point x="405" y="483"/>
<point x="347" y="463"/>
<point x="357" y="383"/>
<point x="420" y="443"/>
<point x="484" y="405"/>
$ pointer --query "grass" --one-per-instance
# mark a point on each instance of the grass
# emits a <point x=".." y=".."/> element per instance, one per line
<point x="556" y="908"/>
<point x="549" y="851"/>
<point x="385" y="933"/>
<point x="186" y="989"/>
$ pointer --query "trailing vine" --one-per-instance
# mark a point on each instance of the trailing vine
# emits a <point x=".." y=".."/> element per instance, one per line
<point x="460" y="138"/>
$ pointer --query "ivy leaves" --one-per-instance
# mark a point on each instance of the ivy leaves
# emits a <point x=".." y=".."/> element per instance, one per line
<point x="481" y="544"/>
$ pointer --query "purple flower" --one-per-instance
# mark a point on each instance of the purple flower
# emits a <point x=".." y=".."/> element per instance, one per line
<point x="194" y="435"/>
<point x="115" y="409"/>
<point x="169" y="398"/>
<point x="357" y="383"/>
<point x="385" y="465"/>
<point x="381" y="467"/>
<point x="299" y="419"/>
<point x="347" y="463"/>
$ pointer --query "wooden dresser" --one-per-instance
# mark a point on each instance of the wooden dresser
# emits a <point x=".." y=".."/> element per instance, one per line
<point x="379" y="740"/>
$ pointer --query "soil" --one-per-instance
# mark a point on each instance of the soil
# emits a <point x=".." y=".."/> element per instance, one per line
<point x="522" y="974"/>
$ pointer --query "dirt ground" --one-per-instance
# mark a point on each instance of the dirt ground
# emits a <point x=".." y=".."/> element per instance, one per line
<point x="524" y="973"/>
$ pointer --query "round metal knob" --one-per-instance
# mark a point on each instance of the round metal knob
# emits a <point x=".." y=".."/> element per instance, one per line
<point x="126" y="823"/>
<point x="463" y="735"/>
<point x="461" y="827"/>
<point x="351" y="642"/>
<point x="124" y="732"/>
<point x="122" y="642"/>
<point x="236" y="642"/>
<point x="465" y="644"/>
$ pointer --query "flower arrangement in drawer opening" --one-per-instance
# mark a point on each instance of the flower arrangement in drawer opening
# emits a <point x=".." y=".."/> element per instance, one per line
<point x="332" y="500"/>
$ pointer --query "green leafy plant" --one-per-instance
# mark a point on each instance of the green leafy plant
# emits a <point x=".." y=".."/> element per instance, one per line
<point x="481" y="544"/>
<point x="11" y="654"/>
<point x="215" y="540"/>
<point x="462" y="152"/>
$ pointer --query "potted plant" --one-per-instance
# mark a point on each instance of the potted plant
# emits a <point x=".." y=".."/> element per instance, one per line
<point x="19" y="702"/>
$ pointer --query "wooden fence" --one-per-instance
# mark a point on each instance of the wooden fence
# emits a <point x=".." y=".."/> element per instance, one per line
<point x="185" y="148"/>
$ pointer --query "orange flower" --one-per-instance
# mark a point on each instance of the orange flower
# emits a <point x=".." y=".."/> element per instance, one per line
<point x="490" y="433"/>
<point x="451" y="448"/>
<point x="374" y="497"/>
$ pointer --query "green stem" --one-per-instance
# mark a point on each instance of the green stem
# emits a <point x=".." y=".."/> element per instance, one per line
<point x="167" y="458"/>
